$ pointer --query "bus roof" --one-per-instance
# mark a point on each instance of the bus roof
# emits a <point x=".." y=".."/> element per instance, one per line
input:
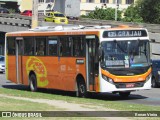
<point x="70" y="30"/>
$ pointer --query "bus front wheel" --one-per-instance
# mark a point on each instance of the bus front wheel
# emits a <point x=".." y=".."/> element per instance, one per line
<point x="33" y="83"/>
<point x="124" y="94"/>
<point x="81" y="89"/>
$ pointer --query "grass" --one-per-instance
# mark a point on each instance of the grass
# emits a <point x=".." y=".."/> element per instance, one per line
<point x="88" y="101"/>
<point x="8" y="104"/>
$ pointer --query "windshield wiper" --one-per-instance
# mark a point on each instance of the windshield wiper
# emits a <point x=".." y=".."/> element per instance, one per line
<point x="115" y="41"/>
<point x="136" y="46"/>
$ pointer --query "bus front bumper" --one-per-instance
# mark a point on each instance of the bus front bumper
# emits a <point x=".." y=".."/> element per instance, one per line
<point x="108" y="87"/>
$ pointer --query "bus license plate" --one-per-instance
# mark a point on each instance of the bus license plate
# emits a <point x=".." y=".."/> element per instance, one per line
<point x="130" y="85"/>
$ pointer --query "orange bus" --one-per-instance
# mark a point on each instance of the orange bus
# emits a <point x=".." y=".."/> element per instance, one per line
<point x="82" y="59"/>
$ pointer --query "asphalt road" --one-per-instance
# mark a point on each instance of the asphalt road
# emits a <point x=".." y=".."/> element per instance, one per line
<point x="148" y="97"/>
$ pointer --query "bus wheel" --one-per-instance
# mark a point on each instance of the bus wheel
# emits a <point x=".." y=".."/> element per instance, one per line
<point x="33" y="83"/>
<point x="81" y="91"/>
<point x="154" y="85"/>
<point x="124" y="94"/>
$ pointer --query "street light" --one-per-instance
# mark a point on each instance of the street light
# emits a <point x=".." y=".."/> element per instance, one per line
<point x="116" y="10"/>
<point x="34" y="13"/>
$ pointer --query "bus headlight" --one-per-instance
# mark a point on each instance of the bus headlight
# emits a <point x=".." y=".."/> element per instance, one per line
<point x="148" y="77"/>
<point x="107" y="79"/>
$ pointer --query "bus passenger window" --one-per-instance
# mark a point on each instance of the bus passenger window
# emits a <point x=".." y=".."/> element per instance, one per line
<point x="52" y="46"/>
<point x="40" y="50"/>
<point x="41" y="46"/>
<point x="78" y="46"/>
<point x="11" y="45"/>
<point x="65" y="46"/>
<point x="28" y="46"/>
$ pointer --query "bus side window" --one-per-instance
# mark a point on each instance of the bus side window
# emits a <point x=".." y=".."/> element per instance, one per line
<point x="41" y="46"/>
<point x="28" y="46"/>
<point x="52" y="46"/>
<point x="11" y="45"/>
<point x="60" y="49"/>
<point x="78" y="46"/>
<point x="40" y="50"/>
<point x="65" y="46"/>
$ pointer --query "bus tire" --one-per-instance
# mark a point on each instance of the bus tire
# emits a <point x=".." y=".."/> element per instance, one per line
<point x="153" y="82"/>
<point x="124" y="94"/>
<point x="81" y="89"/>
<point x="33" y="83"/>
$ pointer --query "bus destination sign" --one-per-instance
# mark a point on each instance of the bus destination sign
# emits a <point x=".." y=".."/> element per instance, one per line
<point x="124" y="33"/>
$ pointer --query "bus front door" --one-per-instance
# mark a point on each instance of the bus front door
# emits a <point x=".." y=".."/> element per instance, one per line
<point x="19" y="51"/>
<point x="91" y="62"/>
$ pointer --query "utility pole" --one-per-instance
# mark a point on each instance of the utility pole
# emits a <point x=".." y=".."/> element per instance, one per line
<point x="34" y="13"/>
<point x="116" y="10"/>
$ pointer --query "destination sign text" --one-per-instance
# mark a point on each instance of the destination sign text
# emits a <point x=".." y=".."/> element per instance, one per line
<point x="124" y="33"/>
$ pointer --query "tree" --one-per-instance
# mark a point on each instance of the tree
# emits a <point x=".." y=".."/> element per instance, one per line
<point x="150" y="11"/>
<point x="104" y="14"/>
<point x="132" y="14"/>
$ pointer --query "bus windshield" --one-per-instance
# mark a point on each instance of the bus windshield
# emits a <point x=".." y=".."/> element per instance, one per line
<point x="125" y="54"/>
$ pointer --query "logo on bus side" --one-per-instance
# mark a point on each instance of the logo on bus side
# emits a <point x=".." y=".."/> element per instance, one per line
<point x="37" y="65"/>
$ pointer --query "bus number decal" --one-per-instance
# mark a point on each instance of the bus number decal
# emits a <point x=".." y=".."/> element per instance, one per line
<point x="38" y="66"/>
<point x="79" y="61"/>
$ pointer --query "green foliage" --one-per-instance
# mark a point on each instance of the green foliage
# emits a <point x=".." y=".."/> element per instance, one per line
<point x="132" y="14"/>
<point x="150" y="11"/>
<point x="147" y="11"/>
<point x="83" y="16"/>
<point x="104" y="14"/>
